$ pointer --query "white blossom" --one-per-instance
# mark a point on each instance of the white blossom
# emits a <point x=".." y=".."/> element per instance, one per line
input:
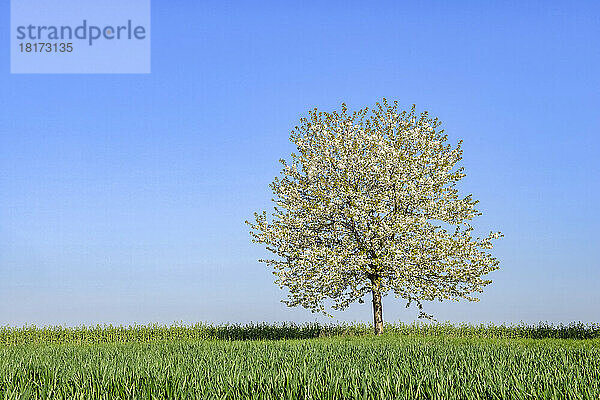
<point x="369" y="204"/>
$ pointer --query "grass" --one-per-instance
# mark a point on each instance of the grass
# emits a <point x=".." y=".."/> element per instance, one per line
<point x="352" y="366"/>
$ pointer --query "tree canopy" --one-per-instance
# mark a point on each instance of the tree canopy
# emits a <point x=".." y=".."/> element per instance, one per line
<point x="369" y="204"/>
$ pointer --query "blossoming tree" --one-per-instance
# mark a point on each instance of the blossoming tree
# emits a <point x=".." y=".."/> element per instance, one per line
<point x="369" y="204"/>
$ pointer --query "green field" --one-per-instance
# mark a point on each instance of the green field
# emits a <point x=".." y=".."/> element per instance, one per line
<point x="435" y="365"/>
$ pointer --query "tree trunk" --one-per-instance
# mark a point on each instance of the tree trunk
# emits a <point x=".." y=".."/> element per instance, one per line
<point x="377" y="311"/>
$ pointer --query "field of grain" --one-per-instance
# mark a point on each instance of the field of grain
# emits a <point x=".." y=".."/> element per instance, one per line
<point x="321" y="365"/>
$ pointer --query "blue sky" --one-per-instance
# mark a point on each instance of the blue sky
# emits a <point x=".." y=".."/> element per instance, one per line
<point x="123" y="197"/>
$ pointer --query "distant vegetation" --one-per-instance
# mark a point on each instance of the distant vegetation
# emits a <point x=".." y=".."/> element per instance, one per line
<point x="151" y="333"/>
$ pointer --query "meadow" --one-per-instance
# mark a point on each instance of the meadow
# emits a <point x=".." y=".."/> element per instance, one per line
<point x="288" y="361"/>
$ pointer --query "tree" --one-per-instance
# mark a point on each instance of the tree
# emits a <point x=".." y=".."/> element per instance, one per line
<point x="369" y="204"/>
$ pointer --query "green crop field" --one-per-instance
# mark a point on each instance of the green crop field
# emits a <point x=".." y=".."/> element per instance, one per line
<point x="292" y="362"/>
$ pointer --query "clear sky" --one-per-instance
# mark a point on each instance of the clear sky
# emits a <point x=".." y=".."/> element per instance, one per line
<point x="123" y="197"/>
